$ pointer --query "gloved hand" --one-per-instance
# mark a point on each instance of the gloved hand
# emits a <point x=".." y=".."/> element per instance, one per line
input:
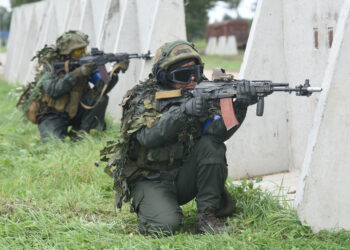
<point x="84" y="70"/>
<point x="196" y="106"/>
<point x="123" y="66"/>
<point x="246" y="93"/>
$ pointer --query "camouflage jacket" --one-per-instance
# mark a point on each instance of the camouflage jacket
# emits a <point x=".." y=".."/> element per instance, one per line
<point x="152" y="140"/>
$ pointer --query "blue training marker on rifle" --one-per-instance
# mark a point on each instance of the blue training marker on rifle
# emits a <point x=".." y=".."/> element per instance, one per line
<point x="208" y="121"/>
<point x="95" y="77"/>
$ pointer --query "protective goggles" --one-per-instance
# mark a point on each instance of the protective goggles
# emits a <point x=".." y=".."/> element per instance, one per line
<point x="79" y="52"/>
<point x="184" y="75"/>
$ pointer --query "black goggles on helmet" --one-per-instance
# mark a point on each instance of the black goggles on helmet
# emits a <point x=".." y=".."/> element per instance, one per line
<point x="184" y="75"/>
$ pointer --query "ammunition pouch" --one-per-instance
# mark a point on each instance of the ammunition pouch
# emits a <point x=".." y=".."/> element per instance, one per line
<point x="157" y="159"/>
<point x="167" y="154"/>
<point x="33" y="110"/>
<point x="69" y="102"/>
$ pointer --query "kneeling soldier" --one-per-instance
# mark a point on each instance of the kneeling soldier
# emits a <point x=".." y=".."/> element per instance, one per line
<point x="167" y="155"/>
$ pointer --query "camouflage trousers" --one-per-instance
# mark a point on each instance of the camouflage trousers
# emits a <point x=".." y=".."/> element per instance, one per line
<point x="56" y="124"/>
<point x="157" y="197"/>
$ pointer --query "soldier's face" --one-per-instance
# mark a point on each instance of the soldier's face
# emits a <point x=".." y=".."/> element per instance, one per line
<point x="192" y="83"/>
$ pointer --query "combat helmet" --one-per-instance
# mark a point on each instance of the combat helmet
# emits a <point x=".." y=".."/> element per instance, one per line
<point x="174" y="52"/>
<point x="70" y="41"/>
<point x="171" y="54"/>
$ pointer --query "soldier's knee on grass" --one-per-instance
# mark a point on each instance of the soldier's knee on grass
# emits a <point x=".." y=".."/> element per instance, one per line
<point x="166" y="227"/>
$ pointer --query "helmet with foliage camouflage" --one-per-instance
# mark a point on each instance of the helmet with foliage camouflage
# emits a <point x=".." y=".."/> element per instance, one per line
<point x="70" y="41"/>
<point x="174" y="52"/>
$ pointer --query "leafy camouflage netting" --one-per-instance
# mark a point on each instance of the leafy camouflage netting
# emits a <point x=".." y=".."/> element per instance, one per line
<point x="33" y="90"/>
<point x="135" y="117"/>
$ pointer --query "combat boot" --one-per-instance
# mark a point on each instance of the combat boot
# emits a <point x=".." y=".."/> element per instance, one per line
<point x="207" y="222"/>
<point x="227" y="205"/>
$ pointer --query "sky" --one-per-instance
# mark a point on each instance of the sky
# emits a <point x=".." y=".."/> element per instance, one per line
<point x="218" y="12"/>
<point x="215" y="14"/>
<point x="5" y="3"/>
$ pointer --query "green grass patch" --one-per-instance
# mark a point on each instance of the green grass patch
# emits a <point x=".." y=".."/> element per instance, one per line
<point x="200" y="45"/>
<point x="3" y="49"/>
<point x="230" y="63"/>
<point x="52" y="196"/>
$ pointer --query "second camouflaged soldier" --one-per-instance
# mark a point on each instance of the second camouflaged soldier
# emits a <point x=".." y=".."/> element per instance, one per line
<point x="59" y="100"/>
<point x="167" y="156"/>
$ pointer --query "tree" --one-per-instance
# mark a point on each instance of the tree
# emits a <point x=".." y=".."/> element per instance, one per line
<point x="15" y="3"/>
<point x="227" y="17"/>
<point x="5" y="19"/>
<point x="233" y="4"/>
<point x="196" y="14"/>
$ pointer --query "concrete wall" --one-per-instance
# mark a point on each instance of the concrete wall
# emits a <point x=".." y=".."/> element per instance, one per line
<point x="323" y="198"/>
<point x="133" y="26"/>
<point x="281" y="48"/>
<point x="303" y="61"/>
<point x="260" y="146"/>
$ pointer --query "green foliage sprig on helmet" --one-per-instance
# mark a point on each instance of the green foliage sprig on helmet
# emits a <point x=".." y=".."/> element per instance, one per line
<point x="46" y="55"/>
<point x="70" y="41"/>
<point x="171" y="54"/>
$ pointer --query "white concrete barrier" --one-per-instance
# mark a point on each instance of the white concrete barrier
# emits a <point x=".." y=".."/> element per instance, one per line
<point x="231" y="46"/>
<point x="133" y="26"/>
<point x="291" y="41"/>
<point x="323" y="198"/>
<point x="211" y="46"/>
<point x="222" y="45"/>
<point x="260" y="146"/>
<point x="281" y="48"/>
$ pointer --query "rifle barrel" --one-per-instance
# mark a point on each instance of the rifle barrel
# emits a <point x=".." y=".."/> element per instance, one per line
<point x="282" y="84"/>
<point x="308" y="89"/>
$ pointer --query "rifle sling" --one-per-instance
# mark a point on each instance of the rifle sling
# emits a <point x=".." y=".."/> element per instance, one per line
<point x="66" y="66"/>
<point x="168" y="94"/>
<point x="115" y="67"/>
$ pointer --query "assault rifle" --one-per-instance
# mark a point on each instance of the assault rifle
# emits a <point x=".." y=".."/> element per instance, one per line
<point x="224" y="87"/>
<point x="100" y="59"/>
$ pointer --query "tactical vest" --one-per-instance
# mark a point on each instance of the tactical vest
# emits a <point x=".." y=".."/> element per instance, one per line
<point x="69" y="102"/>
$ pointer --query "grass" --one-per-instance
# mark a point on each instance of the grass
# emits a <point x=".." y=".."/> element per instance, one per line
<point x="52" y="196"/>
<point x="228" y="62"/>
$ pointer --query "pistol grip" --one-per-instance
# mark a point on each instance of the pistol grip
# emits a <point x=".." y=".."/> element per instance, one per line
<point x="104" y="75"/>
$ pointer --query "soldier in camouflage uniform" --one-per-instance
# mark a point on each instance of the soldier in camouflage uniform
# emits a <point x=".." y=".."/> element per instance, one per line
<point x="66" y="98"/>
<point x="167" y="156"/>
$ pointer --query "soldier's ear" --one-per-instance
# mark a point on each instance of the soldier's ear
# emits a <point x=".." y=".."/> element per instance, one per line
<point x="161" y="76"/>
